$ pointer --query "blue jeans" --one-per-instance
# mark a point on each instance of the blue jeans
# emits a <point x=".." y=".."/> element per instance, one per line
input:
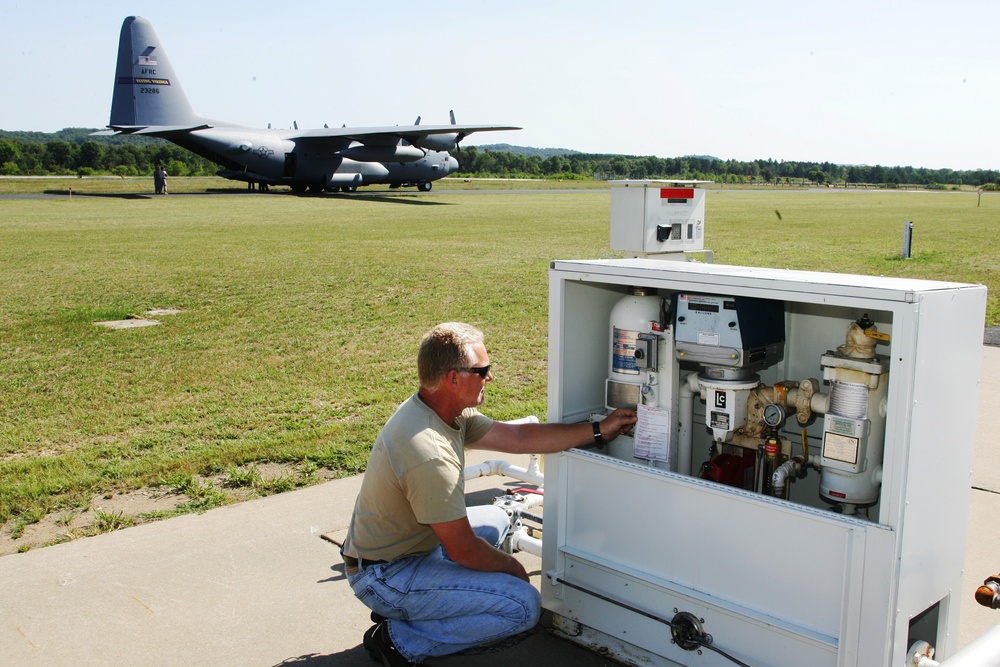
<point x="438" y="607"/>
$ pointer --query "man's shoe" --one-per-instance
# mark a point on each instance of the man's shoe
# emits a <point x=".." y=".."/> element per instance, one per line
<point x="382" y="643"/>
<point x="368" y="642"/>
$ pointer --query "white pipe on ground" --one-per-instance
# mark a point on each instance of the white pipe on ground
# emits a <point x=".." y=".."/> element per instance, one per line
<point x="980" y="652"/>
<point x="520" y="540"/>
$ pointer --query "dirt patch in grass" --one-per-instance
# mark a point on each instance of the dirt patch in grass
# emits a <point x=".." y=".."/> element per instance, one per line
<point x="115" y="511"/>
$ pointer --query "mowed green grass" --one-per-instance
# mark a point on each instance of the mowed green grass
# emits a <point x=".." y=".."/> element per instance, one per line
<point x="954" y="235"/>
<point x="300" y="316"/>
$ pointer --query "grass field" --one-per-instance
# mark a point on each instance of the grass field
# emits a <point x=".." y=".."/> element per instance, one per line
<point x="300" y="316"/>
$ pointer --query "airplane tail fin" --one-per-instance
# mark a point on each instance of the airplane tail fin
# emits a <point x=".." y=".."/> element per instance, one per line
<point x="147" y="92"/>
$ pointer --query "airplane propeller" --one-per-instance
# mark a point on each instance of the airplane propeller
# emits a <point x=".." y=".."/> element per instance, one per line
<point x="460" y="135"/>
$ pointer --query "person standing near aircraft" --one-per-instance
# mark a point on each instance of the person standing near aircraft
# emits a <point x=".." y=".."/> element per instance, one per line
<point x="158" y="180"/>
<point x="428" y="567"/>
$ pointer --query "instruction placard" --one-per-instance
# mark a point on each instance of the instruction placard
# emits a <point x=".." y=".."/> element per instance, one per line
<point x="652" y="434"/>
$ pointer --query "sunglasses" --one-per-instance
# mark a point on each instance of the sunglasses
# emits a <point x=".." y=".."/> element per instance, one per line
<point x="481" y="371"/>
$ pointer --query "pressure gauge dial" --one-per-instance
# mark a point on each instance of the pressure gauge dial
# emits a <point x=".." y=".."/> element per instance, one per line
<point x="773" y="415"/>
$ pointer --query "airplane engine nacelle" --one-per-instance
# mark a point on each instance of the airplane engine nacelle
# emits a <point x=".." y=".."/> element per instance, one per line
<point x="355" y="173"/>
<point x="438" y="142"/>
<point x="344" y="180"/>
<point x="367" y="153"/>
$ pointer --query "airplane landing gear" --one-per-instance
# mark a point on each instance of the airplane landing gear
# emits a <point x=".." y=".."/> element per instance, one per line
<point x="424" y="186"/>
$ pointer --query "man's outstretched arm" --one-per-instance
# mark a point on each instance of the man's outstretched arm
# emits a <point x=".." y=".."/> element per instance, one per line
<point x="469" y="550"/>
<point x="549" y="438"/>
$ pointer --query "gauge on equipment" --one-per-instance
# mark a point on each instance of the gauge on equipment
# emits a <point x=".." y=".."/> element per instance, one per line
<point x="773" y="415"/>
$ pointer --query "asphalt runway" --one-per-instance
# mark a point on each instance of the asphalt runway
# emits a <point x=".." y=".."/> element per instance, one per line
<point x="63" y="194"/>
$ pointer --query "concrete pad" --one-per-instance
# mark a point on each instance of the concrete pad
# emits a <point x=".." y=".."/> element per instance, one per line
<point x="981" y="561"/>
<point x="986" y="471"/>
<point x="982" y="556"/>
<point x="248" y="584"/>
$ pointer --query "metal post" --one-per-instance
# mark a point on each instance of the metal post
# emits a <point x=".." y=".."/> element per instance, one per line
<point x="907" y="239"/>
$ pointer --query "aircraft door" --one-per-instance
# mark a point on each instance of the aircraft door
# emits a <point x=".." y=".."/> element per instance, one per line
<point x="290" y="165"/>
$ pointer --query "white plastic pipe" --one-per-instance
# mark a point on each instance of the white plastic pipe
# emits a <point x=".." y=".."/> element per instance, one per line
<point x="980" y="652"/>
<point x="685" y="405"/>
<point x="531" y="474"/>
<point x="521" y="541"/>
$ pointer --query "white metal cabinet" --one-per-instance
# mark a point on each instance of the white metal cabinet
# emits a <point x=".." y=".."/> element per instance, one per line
<point x="777" y="582"/>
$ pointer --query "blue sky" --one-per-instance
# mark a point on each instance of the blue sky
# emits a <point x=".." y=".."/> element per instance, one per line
<point x="878" y="82"/>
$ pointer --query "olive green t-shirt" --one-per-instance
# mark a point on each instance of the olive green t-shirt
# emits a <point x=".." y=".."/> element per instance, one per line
<point x="415" y="477"/>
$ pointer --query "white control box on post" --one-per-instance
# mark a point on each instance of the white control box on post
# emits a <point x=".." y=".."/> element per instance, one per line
<point x="655" y="217"/>
<point x="797" y="489"/>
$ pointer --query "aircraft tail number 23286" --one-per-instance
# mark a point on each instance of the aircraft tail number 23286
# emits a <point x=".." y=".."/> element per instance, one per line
<point x="148" y="100"/>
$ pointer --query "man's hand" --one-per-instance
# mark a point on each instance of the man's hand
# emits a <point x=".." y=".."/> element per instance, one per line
<point x="469" y="550"/>
<point x="516" y="569"/>
<point x="618" y="422"/>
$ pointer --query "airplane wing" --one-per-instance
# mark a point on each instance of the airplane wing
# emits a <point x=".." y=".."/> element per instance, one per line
<point x="149" y="130"/>
<point x="393" y="143"/>
<point x="397" y="132"/>
<point x="435" y="137"/>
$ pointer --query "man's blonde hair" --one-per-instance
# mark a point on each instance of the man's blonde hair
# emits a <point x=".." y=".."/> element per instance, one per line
<point x="445" y="347"/>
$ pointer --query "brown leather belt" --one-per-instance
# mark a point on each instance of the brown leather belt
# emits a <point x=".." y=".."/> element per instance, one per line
<point x="353" y="563"/>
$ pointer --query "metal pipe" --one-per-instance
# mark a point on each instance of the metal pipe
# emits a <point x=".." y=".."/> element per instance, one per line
<point x="988" y="594"/>
<point x="758" y="471"/>
<point x="787" y="470"/>
<point x="780" y="477"/>
<point x="517" y="503"/>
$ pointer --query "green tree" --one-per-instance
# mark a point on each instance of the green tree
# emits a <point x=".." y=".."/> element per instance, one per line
<point x="177" y="168"/>
<point x="59" y="155"/>
<point x="91" y="155"/>
<point x="9" y="151"/>
<point x="817" y="176"/>
<point x="554" y="165"/>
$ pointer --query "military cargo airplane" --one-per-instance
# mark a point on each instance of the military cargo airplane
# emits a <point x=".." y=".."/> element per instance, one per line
<point x="148" y="100"/>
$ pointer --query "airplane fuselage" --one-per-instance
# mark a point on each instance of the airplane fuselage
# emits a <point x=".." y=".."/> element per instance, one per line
<point x="269" y="156"/>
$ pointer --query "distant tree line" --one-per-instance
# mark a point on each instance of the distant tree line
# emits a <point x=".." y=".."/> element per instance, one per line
<point x="485" y="163"/>
<point x="75" y="151"/>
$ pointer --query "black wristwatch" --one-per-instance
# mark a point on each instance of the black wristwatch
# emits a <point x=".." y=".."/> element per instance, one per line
<point x="598" y="438"/>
